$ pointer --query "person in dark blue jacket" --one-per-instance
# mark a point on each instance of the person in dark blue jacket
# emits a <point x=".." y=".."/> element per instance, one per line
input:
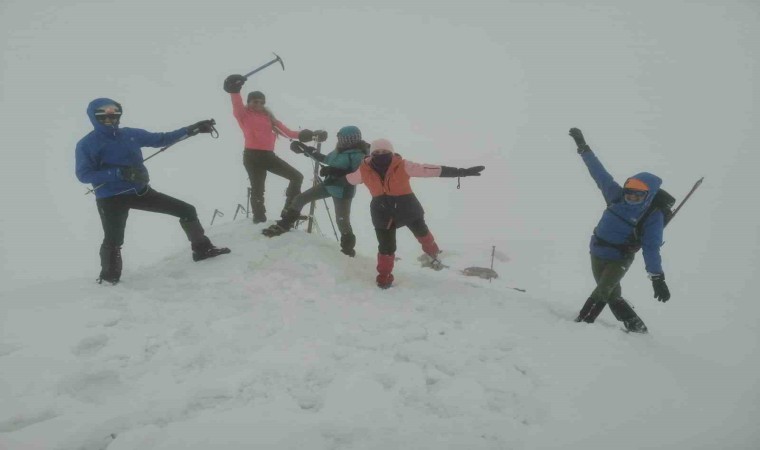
<point x="344" y="159"/>
<point x="618" y="236"/>
<point x="110" y="158"/>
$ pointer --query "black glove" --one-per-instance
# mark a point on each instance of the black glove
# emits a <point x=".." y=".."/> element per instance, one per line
<point x="204" y="126"/>
<point x="305" y="135"/>
<point x="320" y="135"/>
<point x="297" y="147"/>
<point x="661" y="291"/>
<point x="327" y="171"/>
<point x="453" y="172"/>
<point x="133" y="174"/>
<point x="579" y="140"/>
<point x="234" y="83"/>
<point x="300" y="147"/>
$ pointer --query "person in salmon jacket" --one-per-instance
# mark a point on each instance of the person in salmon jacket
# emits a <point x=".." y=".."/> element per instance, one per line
<point x="387" y="176"/>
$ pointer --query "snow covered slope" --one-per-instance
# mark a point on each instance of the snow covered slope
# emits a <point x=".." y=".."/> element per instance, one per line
<point x="287" y="344"/>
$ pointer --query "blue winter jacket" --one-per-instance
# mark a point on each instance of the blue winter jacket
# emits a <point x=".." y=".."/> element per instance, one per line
<point x="348" y="159"/>
<point x="620" y="218"/>
<point x="107" y="148"/>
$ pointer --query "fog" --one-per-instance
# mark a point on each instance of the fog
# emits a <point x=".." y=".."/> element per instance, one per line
<point x="670" y="88"/>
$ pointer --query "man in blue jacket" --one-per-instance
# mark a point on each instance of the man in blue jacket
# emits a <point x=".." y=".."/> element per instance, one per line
<point x="110" y="158"/>
<point x="618" y="236"/>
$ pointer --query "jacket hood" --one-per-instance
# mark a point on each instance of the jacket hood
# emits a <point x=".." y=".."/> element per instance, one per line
<point x="653" y="182"/>
<point x="94" y="105"/>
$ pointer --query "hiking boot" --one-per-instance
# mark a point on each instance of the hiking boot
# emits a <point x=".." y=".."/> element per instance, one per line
<point x="210" y="253"/>
<point x="110" y="264"/>
<point x="259" y="210"/>
<point x="274" y="230"/>
<point x="635" y="325"/>
<point x="285" y="224"/>
<point x="347" y="244"/>
<point x="590" y="311"/>
<point x="384" y="280"/>
<point x="205" y="250"/>
<point x="625" y="313"/>
<point x="431" y="262"/>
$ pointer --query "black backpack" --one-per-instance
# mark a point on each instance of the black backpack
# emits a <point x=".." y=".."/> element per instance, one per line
<point x="662" y="201"/>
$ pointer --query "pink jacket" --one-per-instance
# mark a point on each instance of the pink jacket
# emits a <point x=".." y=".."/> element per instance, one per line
<point x="258" y="130"/>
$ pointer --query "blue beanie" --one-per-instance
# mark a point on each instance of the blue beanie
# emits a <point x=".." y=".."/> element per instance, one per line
<point x="349" y="136"/>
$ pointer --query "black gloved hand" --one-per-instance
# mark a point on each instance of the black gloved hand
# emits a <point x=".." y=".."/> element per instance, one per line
<point x="471" y="171"/>
<point x="579" y="140"/>
<point x="326" y="171"/>
<point x="234" y="83"/>
<point x="204" y="126"/>
<point x="305" y="135"/>
<point x="300" y="147"/>
<point x="297" y="147"/>
<point x="453" y="172"/>
<point x="661" y="291"/>
<point x="320" y="135"/>
<point x="133" y="174"/>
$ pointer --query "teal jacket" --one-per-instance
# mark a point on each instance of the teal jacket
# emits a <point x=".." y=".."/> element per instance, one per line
<point x="346" y="159"/>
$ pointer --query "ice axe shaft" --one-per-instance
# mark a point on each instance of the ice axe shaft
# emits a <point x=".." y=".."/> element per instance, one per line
<point x="277" y="59"/>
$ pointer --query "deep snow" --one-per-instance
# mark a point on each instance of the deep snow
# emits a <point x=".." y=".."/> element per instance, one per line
<point x="286" y="343"/>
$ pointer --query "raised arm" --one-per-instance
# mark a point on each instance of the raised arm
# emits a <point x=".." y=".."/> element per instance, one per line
<point x="611" y="190"/>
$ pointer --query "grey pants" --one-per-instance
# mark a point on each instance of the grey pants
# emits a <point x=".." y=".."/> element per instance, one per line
<point x="342" y="206"/>
<point x="608" y="274"/>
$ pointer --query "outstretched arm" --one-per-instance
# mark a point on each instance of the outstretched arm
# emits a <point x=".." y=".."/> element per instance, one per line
<point x="284" y="130"/>
<point x="148" y="139"/>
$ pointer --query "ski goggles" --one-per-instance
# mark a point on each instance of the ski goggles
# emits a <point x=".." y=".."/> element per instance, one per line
<point x="108" y="112"/>
<point x="634" y="195"/>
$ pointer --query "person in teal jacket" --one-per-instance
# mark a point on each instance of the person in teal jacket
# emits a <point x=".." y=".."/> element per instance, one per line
<point x="348" y="154"/>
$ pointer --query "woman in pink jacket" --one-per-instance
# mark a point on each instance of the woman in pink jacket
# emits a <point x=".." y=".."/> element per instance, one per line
<point x="260" y="129"/>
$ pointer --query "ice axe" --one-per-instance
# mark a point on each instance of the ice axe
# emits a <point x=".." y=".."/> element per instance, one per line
<point x="277" y="59"/>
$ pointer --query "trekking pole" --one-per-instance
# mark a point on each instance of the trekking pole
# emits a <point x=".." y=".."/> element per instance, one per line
<point x="239" y="207"/>
<point x="216" y="213"/>
<point x="248" y="203"/>
<point x="329" y="216"/>
<point x="313" y="204"/>
<point x="214" y="134"/>
<point x="693" y="188"/>
<point x="493" y="253"/>
<point x="277" y="59"/>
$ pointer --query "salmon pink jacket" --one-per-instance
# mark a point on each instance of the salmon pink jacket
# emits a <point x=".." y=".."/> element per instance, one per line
<point x="396" y="180"/>
<point x="259" y="130"/>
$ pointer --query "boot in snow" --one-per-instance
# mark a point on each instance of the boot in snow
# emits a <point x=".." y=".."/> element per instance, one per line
<point x="625" y="313"/>
<point x="206" y="250"/>
<point x="384" y="281"/>
<point x="285" y="224"/>
<point x="431" y="257"/>
<point x="590" y="311"/>
<point x="258" y="210"/>
<point x="384" y="277"/>
<point x="200" y="244"/>
<point x="110" y="264"/>
<point x="347" y="244"/>
<point x="429" y="261"/>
